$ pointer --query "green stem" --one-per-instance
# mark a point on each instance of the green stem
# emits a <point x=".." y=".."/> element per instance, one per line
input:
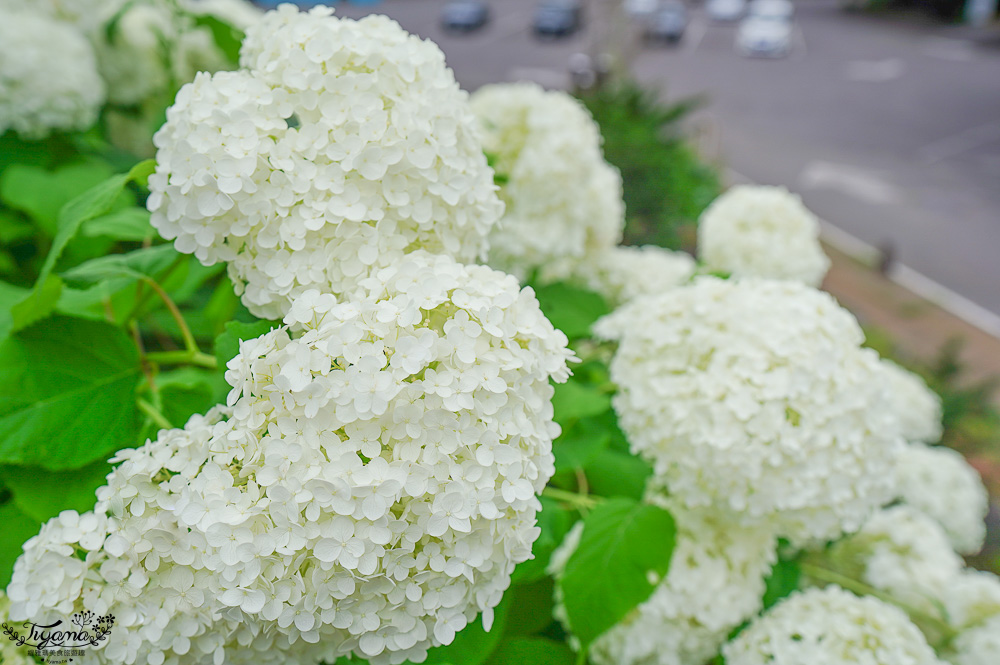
<point x="189" y="342"/>
<point x="195" y="357"/>
<point x="583" y="501"/>
<point x="153" y="414"/>
<point x="832" y="577"/>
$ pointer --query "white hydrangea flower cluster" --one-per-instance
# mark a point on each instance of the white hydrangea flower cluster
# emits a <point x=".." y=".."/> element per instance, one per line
<point x="917" y="407"/>
<point x="715" y="582"/>
<point x="371" y="492"/>
<point x="563" y="200"/>
<point x="48" y="76"/>
<point x="972" y="598"/>
<point x="979" y="646"/>
<point x="830" y="626"/>
<point x="338" y="148"/>
<point x="10" y="653"/>
<point x="937" y="481"/>
<point x="759" y="231"/>
<point x="754" y="396"/>
<point x="624" y="273"/>
<point x="86" y="15"/>
<point x="903" y="552"/>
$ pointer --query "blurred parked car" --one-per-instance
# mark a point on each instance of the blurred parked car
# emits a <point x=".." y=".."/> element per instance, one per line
<point x="725" y="10"/>
<point x="558" y="18"/>
<point x="465" y="15"/>
<point x="764" y="37"/>
<point x="641" y="9"/>
<point x="668" y="24"/>
<point x="778" y="9"/>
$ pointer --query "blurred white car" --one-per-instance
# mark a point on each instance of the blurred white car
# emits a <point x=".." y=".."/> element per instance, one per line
<point x="764" y="37"/>
<point x="779" y="9"/>
<point x="725" y="10"/>
<point x="641" y="9"/>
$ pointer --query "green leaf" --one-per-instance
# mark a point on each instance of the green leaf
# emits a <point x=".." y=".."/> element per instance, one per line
<point x="624" y="552"/>
<point x="138" y="264"/>
<point x="67" y="393"/>
<point x="534" y="603"/>
<point x="40" y="193"/>
<point x="227" y="345"/>
<point x="532" y="651"/>
<point x="571" y="309"/>
<point x="190" y="390"/>
<point x="613" y="473"/>
<point x="17" y="528"/>
<point x="129" y="224"/>
<point x="554" y="522"/>
<point x="783" y="580"/>
<point x="573" y="400"/>
<point x="14" y="229"/>
<point x="580" y="443"/>
<point x="92" y="203"/>
<point x="43" y="493"/>
<point x="227" y="37"/>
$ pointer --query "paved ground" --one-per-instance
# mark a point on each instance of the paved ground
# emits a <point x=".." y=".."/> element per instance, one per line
<point x="891" y="132"/>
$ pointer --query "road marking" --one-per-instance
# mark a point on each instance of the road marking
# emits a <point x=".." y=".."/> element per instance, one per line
<point x="853" y="181"/>
<point x="875" y="71"/>
<point x="956" y="144"/>
<point x="957" y="50"/>
<point x="698" y="28"/>
<point x="956" y="304"/>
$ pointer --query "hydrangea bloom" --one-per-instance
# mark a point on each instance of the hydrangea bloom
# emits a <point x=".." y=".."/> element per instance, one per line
<point x="917" y="407"/>
<point x="715" y="582"/>
<point x="755" y="396"/>
<point x="972" y="598"/>
<point x="978" y="646"/>
<point x="940" y="483"/>
<point x="756" y="231"/>
<point x="563" y="200"/>
<point x="624" y="273"/>
<point x="371" y="493"/>
<point x="48" y="76"/>
<point x="903" y="552"/>
<point x="10" y="653"/>
<point x="830" y="627"/>
<point x="339" y="147"/>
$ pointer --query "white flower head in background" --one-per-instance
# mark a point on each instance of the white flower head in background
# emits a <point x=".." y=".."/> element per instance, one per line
<point x="48" y="76"/>
<point x="977" y="646"/>
<point x="340" y="146"/>
<point x="833" y="627"/>
<point x="939" y="482"/>
<point x="563" y="200"/>
<point x="715" y="582"/>
<point x="758" y="231"/>
<point x="916" y="407"/>
<point x="371" y="492"/>
<point x="755" y="396"/>
<point x="623" y="273"/>
<point x="904" y="553"/>
<point x="972" y="598"/>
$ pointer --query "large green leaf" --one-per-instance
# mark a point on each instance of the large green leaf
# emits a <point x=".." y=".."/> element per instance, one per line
<point x="92" y="203"/>
<point x="138" y="264"/>
<point x="190" y="390"/>
<point x="580" y="443"/>
<point x="624" y="551"/>
<point x="574" y="400"/>
<point x="67" y="393"/>
<point x="532" y="651"/>
<point x="533" y="605"/>
<point x="571" y="309"/>
<point x="615" y="473"/>
<point x="17" y="528"/>
<point x="43" y="493"/>
<point x="130" y="223"/>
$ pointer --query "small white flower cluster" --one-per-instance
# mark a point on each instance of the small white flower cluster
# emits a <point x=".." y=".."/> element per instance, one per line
<point x="563" y="200"/>
<point x="917" y="407"/>
<point x="10" y="652"/>
<point x="623" y="273"/>
<point x="754" y="396"/>
<point x="48" y="76"/>
<point x="715" y="582"/>
<point x="757" y="231"/>
<point x="371" y="492"/>
<point x="830" y="627"/>
<point x="903" y="552"/>
<point x="338" y="148"/>
<point x="939" y="482"/>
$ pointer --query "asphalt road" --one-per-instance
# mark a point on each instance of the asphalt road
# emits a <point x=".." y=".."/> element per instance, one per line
<point x="890" y="131"/>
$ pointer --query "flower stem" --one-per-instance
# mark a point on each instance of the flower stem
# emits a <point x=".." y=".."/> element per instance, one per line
<point x="153" y="414"/>
<point x="189" y="342"/>
<point x="582" y="501"/>
<point x="195" y="357"/>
